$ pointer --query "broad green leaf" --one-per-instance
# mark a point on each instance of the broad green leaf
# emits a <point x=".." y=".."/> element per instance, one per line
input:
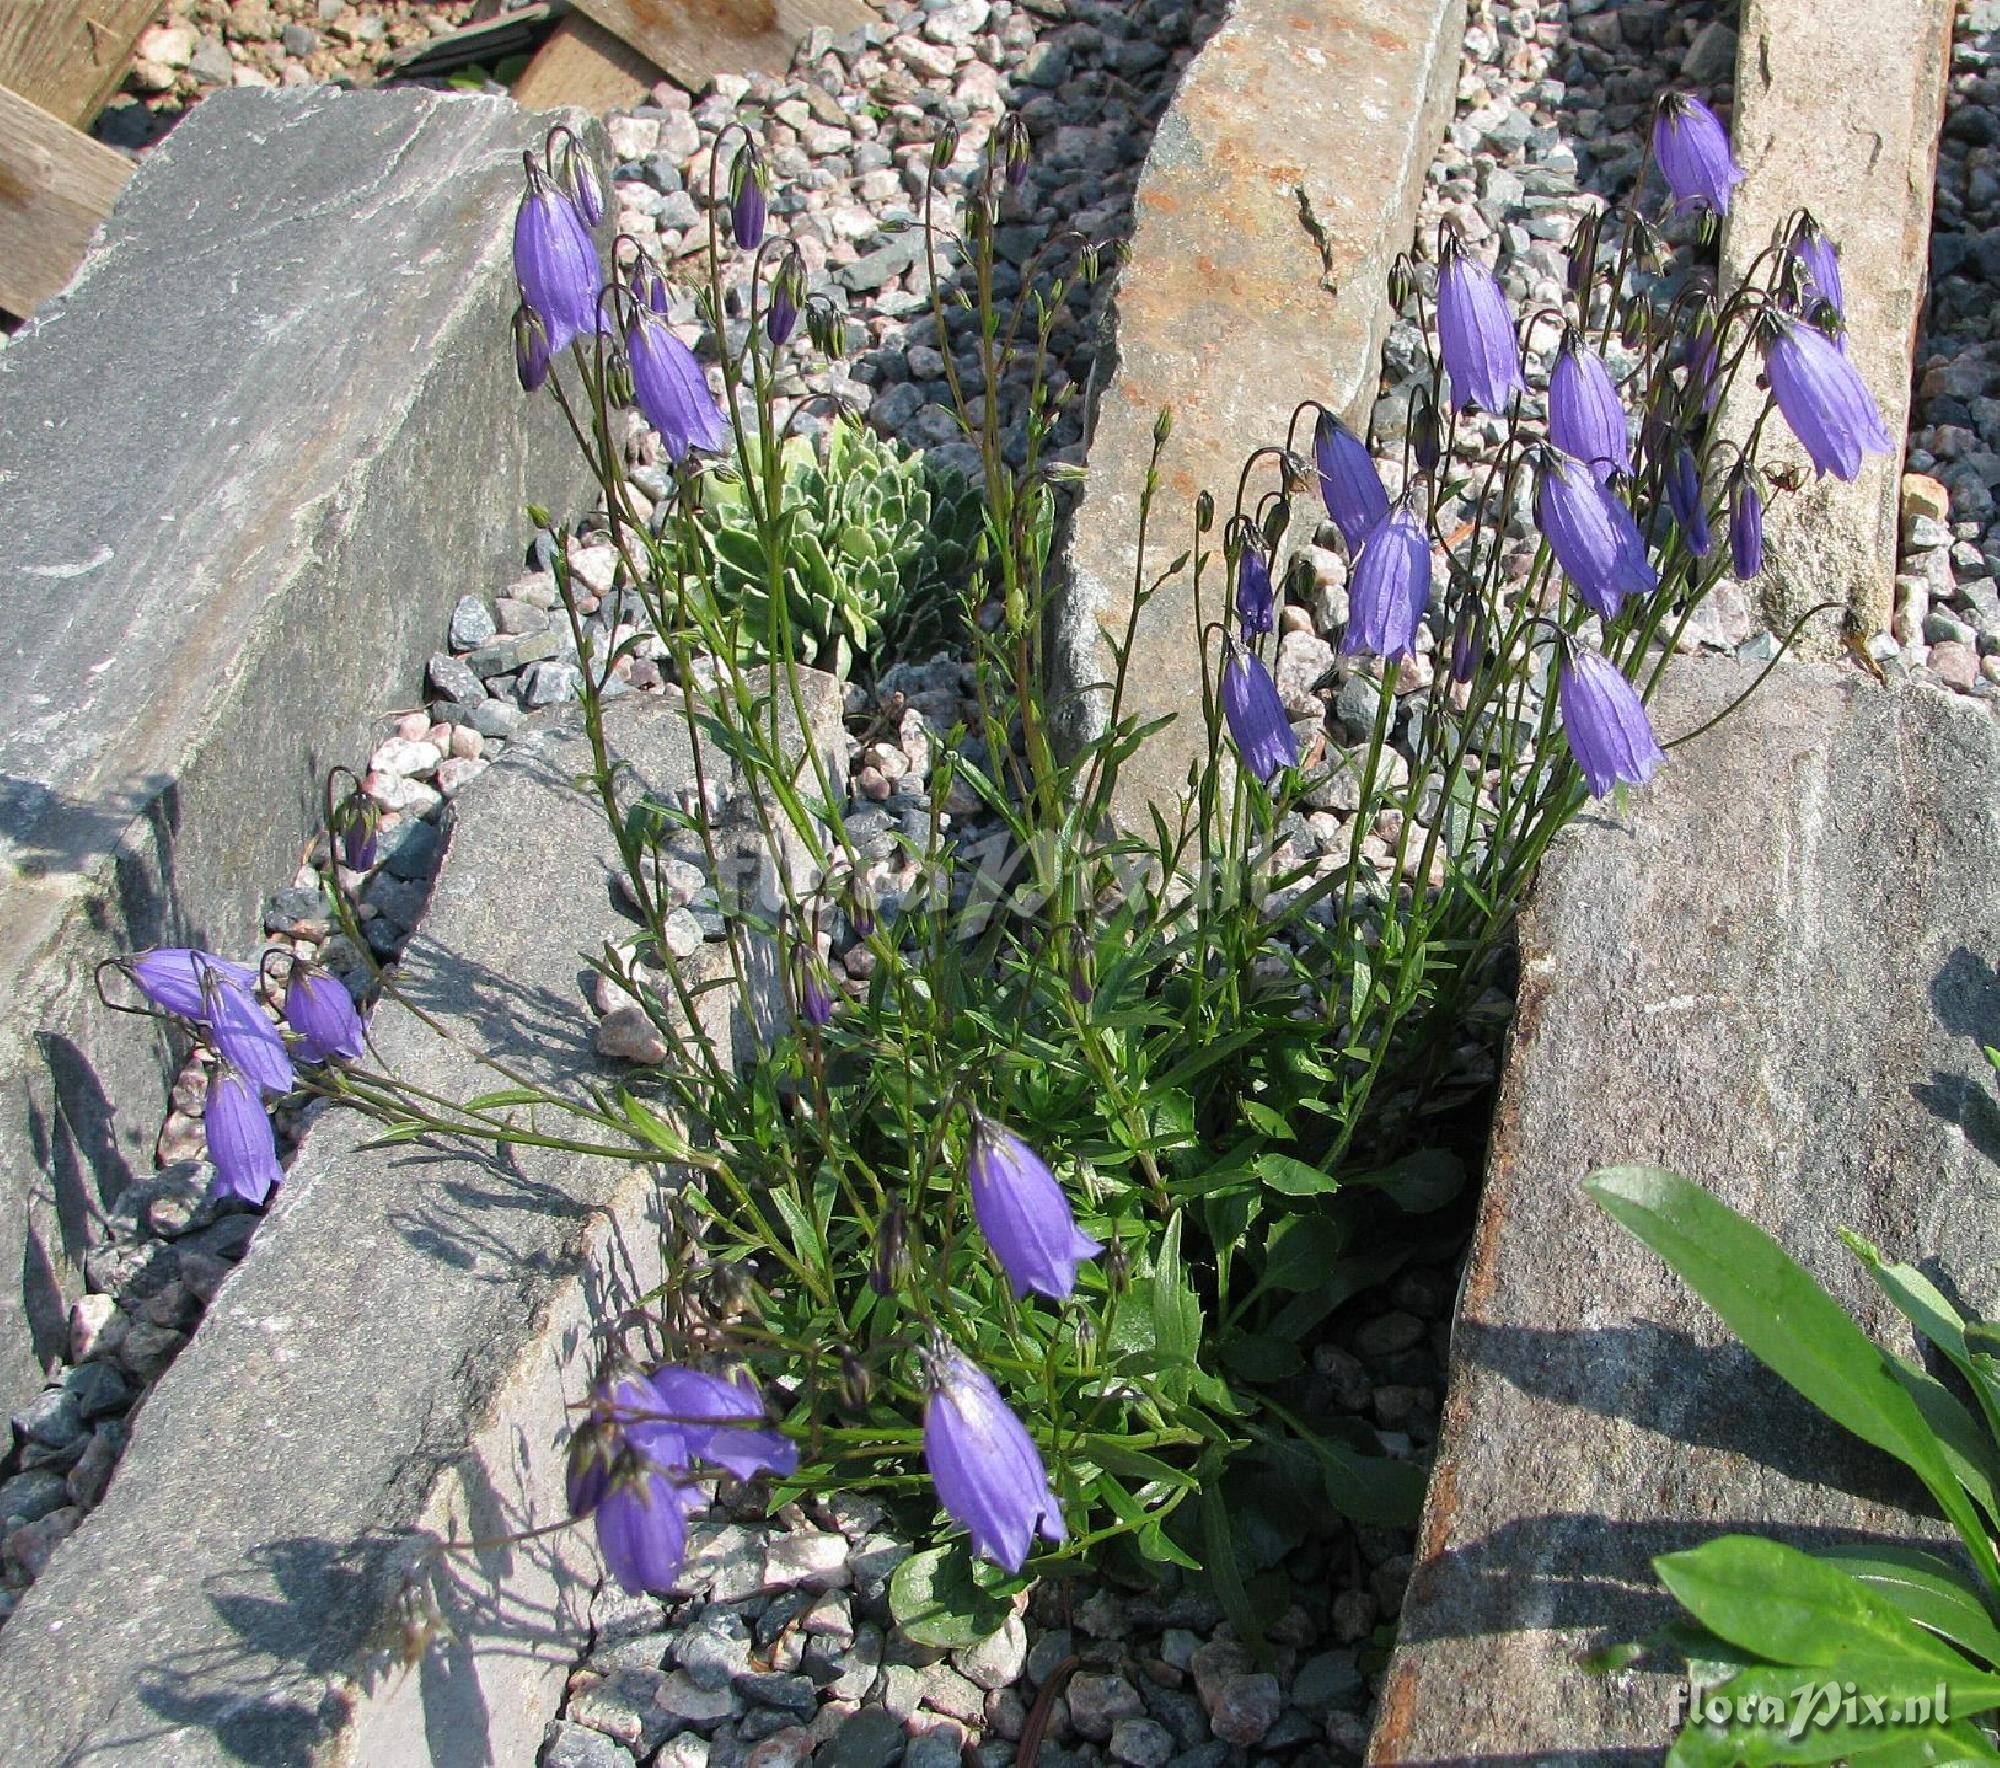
<point x="1789" y="1714"/>
<point x="937" y="1600"/>
<point x="1419" y="1183"/>
<point x="1791" y="1608"/>
<point x="1928" y="1590"/>
<point x="1301" y="1252"/>
<point x="1257" y="1356"/>
<point x="1176" y="1308"/>
<point x="1272" y="1123"/>
<point x="1369" y="1488"/>
<point x="1791" y="1325"/>
<point x="1294" y="1177"/>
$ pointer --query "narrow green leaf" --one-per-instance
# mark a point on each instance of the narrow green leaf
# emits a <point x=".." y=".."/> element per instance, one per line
<point x="1293" y="1177"/>
<point x="505" y="1097"/>
<point x="1224" y="1574"/>
<point x="1791" y="1325"/>
<point x="1789" y="1607"/>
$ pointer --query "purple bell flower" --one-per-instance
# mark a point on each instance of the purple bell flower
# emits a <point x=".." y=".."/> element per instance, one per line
<point x="1685" y="500"/>
<point x="788" y="295"/>
<point x="630" y="1463"/>
<point x="988" y="1473"/>
<point x="1256" y="600"/>
<point x="240" y="1143"/>
<point x="1257" y="722"/>
<point x="748" y="210"/>
<point x="249" y="1042"/>
<point x="1476" y="333"/>
<point x="1702" y="352"/>
<point x="1819" y="260"/>
<point x="1468" y="640"/>
<point x="1604" y="722"/>
<point x="1586" y="418"/>
<point x="1023" y="1213"/>
<point x="1746" y="529"/>
<point x="555" y="262"/>
<point x="1592" y="534"/>
<point x="671" y="392"/>
<point x="815" y="997"/>
<point x="642" y="1531"/>
<point x="1692" y="149"/>
<point x="321" y="1011"/>
<point x="1389" y="591"/>
<point x="1824" y="399"/>
<point x="1348" y="480"/>
<point x="177" y="980"/>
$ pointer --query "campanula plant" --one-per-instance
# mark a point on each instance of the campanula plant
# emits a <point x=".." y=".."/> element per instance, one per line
<point x="1055" y="1140"/>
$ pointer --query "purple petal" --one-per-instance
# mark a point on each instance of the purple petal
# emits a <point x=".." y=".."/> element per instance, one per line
<point x="240" y="1143"/>
<point x="1023" y="1213"/>
<point x="248" y="1040"/>
<point x="988" y="1473"/>
<point x="642" y="1532"/>
<point x="1476" y="335"/>
<point x="670" y="389"/>
<point x="1605" y="723"/>
<point x="172" y="978"/>
<point x="1256" y="716"/>
<point x="319" y="1008"/>
<point x="1389" y="591"/>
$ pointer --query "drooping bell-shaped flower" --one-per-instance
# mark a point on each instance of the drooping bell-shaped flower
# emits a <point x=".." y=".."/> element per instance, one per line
<point x="1592" y="534"/>
<point x="649" y="287"/>
<point x="249" y="1042"/>
<point x="241" y="1147"/>
<point x="1468" y="640"/>
<point x="1604" y="722"/>
<point x="1389" y="590"/>
<point x="748" y="209"/>
<point x="989" y="1475"/>
<point x="717" y="1419"/>
<point x="1685" y="500"/>
<point x="1702" y="352"/>
<point x="1586" y="417"/>
<point x="1256" y="600"/>
<point x="1823" y="398"/>
<point x="670" y="389"/>
<point x="788" y="295"/>
<point x="1348" y="481"/>
<point x="1256" y="716"/>
<point x="321" y="1011"/>
<point x="1426" y="444"/>
<point x="1023" y="1213"/>
<point x="531" y="349"/>
<point x="1746" y="528"/>
<point x="177" y="980"/>
<point x="1819" y="266"/>
<point x="1692" y="149"/>
<point x="642" y="1531"/>
<point x="1476" y="333"/>
<point x="815" y="995"/>
<point x="555" y="262"/>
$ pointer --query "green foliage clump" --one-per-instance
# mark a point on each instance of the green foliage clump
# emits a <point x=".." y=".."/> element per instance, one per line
<point x="864" y="540"/>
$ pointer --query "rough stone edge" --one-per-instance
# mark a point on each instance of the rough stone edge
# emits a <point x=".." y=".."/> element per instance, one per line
<point x="438" y="1680"/>
<point x="135" y="893"/>
<point x="1865" y="513"/>
<point x="1074" y="631"/>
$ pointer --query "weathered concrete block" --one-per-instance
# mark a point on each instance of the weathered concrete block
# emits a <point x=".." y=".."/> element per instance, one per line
<point x="1774" y="979"/>
<point x="1225" y="312"/>
<point x="395" y="1353"/>
<point x="1837" y="110"/>
<point x="246" y="465"/>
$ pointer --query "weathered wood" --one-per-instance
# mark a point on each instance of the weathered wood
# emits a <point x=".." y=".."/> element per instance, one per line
<point x="585" y="65"/>
<point x="696" y="39"/>
<point x="56" y="185"/>
<point x="67" y="56"/>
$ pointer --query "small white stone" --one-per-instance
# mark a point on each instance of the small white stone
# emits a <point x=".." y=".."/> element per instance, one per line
<point x="88" y="1318"/>
<point x="811" y="1557"/>
<point x="394" y="792"/>
<point x="406" y="757"/>
<point x="172" y="46"/>
<point x="455" y="775"/>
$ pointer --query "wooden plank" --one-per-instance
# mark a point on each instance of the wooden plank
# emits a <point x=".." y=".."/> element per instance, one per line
<point x="585" y="65"/>
<point x="56" y="185"/>
<point x="67" y="56"/>
<point x="694" y="40"/>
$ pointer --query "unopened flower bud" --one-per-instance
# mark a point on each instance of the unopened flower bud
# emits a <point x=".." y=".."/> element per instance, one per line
<point x="1204" y="511"/>
<point x="1426" y="440"/>
<point x="747" y="206"/>
<point x="945" y="148"/>
<point x="531" y="349"/>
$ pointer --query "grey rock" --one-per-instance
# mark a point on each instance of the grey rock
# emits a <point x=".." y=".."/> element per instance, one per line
<point x="1836" y="1056"/>
<point x="715" y="1648"/>
<point x="53" y="1419"/>
<point x="997" y="1660"/>
<point x="98" y="1390"/>
<point x="506" y="656"/>
<point x="212" y="64"/>
<point x="577" y="1746"/>
<point x="472" y="623"/>
<point x="870" y="1738"/>
<point x="623" y="1707"/>
<point x="1711" y="57"/>
<point x="30" y="1496"/>
<point x="410" y="850"/>
<point x="1097" y="1702"/>
<point x="1141" y="1743"/>
<point x="455" y="680"/>
<point x="792" y="1694"/>
<point x="549" y="684"/>
<point x="867" y="274"/>
<point x="685" y="1700"/>
<point x="327" y="355"/>
<point x="386" y="1319"/>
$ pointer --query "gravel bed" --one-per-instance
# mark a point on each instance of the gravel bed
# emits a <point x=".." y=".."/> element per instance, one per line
<point x="778" y="1647"/>
<point x="1947" y="603"/>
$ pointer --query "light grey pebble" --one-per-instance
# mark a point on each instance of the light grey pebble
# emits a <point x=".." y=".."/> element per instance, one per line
<point x="1097" y="1702"/>
<point x="472" y="623"/>
<point x="998" y="1659"/>
<point x="715" y="1648"/>
<point x="577" y="1746"/>
<point x="1141" y="1743"/>
<point x="870" y="1738"/>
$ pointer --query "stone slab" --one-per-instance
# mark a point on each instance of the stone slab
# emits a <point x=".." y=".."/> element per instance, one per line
<point x="1222" y="312"/>
<point x="1775" y="978"/>
<point x="247" y="463"/>
<point x="1838" y="106"/>
<point x="395" y="1353"/>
